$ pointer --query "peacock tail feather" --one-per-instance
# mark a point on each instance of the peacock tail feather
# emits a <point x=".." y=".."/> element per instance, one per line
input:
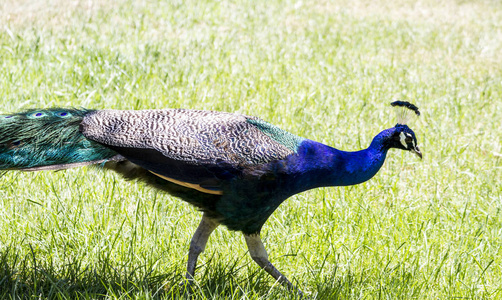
<point x="47" y="139"/>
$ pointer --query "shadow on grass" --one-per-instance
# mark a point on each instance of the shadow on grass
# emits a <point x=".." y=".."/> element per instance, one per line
<point x="23" y="277"/>
<point x="26" y="277"/>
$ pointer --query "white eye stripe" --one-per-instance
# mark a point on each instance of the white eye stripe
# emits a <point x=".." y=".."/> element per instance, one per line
<point x="402" y="139"/>
<point x="412" y="140"/>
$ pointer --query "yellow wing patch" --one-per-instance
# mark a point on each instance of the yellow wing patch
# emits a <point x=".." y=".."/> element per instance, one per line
<point x="190" y="185"/>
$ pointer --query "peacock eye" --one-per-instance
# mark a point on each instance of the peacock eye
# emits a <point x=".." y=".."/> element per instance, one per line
<point x="407" y="140"/>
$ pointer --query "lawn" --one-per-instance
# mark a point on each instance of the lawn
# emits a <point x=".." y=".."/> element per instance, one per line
<point x="324" y="70"/>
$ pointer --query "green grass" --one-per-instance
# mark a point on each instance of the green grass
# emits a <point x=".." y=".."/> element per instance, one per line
<point x="325" y="70"/>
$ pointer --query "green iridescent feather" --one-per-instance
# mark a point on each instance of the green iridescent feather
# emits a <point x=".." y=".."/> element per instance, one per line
<point x="47" y="139"/>
<point x="279" y="135"/>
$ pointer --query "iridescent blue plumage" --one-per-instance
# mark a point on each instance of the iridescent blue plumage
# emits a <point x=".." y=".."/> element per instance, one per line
<point x="260" y="190"/>
<point x="237" y="169"/>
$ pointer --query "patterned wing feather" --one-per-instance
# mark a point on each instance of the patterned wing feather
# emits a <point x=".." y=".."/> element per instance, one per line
<point x="192" y="136"/>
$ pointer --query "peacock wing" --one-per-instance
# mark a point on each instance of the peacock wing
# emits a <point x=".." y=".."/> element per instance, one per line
<point x="191" y="146"/>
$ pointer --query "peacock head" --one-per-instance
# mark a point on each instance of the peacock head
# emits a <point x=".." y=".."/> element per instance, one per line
<point x="402" y="136"/>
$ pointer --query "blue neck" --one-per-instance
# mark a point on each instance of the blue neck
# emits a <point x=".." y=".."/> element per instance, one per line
<point x="317" y="165"/>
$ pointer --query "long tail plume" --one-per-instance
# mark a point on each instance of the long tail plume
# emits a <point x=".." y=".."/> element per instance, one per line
<point x="47" y="140"/>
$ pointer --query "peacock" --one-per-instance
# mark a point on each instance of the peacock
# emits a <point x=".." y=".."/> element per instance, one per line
<point x="236" y="169"/>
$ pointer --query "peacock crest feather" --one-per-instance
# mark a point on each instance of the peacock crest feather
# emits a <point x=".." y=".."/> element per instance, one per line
<point x="406" y="110"/>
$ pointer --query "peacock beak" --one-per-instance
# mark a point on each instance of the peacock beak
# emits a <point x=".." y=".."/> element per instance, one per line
<point x="417" y="151"/>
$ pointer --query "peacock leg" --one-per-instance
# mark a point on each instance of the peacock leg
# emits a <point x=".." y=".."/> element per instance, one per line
<point x="198" y="243"/>
<point x="260" y="256"/>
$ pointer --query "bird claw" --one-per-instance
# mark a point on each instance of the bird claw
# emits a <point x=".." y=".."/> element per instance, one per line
<point x="298" y="292"/>
<point x="187" y="286"/>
